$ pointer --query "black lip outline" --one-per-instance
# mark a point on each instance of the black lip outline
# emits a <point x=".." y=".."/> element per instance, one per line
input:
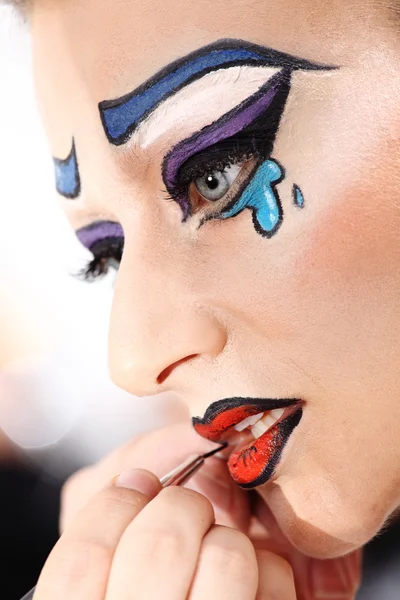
<point x="290" y="423"/>
<point x="220" y="406"/>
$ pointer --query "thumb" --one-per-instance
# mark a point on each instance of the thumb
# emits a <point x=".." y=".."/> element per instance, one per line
<point x="157" y="451"/>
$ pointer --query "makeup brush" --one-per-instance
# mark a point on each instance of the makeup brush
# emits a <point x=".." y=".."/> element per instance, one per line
<point x="178" y="476"/>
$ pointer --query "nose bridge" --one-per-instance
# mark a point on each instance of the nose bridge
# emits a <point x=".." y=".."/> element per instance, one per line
<point x="157" y="323"/>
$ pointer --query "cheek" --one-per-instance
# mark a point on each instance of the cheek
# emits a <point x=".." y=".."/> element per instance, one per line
<point x="326" y="259"/>
<point x="347" y="278"/>
<point x="323" y="296"/>
<point x="353" y="241"/>
<point x="353" y="226"/>
<point x="329" y="510"/>
<point x="347" y="281"/>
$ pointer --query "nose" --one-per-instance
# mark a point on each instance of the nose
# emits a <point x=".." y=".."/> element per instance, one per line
<point x="158" y="326"/>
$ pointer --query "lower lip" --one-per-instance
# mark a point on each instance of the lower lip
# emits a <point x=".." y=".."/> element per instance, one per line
<point x="255" y="464"/>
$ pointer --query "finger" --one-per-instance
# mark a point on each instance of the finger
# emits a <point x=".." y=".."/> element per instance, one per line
<point x="230" y="502"/>
<point x="275" y="577"/>
<point x="79" y="565"/>
<point x="337" y="578"/>
<point x="158" y="451"/>
<point x="158" y="552"/>
<point x="227" y="567"/>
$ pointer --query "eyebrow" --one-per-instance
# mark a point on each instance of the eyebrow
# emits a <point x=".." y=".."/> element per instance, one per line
<point x="68" y="182"/>
<point x="120" y="117"/>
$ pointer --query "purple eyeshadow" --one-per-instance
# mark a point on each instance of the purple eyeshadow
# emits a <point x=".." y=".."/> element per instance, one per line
<point x="230" y="124"/>
<point x="95" y="232"/>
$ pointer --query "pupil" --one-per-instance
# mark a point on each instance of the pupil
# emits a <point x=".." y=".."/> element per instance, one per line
<point x="212" y="182"/>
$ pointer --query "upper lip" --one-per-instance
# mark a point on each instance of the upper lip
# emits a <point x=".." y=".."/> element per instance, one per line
<point x="214" y="429"/>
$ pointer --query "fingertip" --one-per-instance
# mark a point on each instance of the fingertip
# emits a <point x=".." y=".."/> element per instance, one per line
<point x="140" y="480"/>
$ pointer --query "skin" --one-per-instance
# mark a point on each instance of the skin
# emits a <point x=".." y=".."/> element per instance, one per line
<point x="230" y="560"/>
<point x="313" y="312"/>
<point x="133" y="533"/>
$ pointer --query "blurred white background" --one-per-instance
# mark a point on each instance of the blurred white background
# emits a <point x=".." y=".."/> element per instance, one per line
<point x="55" y="393"/>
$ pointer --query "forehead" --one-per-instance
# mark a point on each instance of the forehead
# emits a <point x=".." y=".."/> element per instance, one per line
<point x="114" y="45"/>
<point x="88" y="51"/>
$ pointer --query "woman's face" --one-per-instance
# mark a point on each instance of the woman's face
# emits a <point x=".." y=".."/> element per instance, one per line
<point x="254" y="188"/>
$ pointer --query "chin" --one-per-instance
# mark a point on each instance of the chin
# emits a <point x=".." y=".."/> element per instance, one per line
<point x="315" y="543"/>
<point x="326" y="496"/>
<point x="324" y="532"/>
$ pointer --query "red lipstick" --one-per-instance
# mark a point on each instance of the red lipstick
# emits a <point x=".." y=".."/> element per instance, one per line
<point x="251" y="464"/>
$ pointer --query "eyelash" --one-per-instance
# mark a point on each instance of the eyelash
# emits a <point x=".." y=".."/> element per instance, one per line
<point x="216" y="158"/>
<point x="105" y="252"/>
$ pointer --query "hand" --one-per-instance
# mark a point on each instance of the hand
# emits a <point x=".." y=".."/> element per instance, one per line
<point x="134" y="540"/>
<point x="161" y="450"/>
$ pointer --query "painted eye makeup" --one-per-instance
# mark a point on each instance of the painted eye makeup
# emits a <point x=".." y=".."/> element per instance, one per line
<point x="200" y="171"/>
<point x="68" y="182"/>
<point x="216" y="173"/>
<point x="220" y="172"/>
<point x="105" y="240"/>
<point x="121" y="116"/>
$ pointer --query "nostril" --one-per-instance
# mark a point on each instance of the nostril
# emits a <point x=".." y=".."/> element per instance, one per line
<point x="167" y="372"/>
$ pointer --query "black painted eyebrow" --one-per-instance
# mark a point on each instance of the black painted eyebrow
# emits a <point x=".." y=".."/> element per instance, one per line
<point x="120" y="117"/>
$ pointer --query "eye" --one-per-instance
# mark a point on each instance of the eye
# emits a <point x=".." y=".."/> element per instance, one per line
<point x="214" y="185"/>
<point x="107" y="255"/>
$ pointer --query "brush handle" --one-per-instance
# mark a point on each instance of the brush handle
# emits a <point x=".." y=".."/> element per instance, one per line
<point x="29" y="595"/>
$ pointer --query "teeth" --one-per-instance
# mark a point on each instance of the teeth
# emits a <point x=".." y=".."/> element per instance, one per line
<point x="268" y="420"/>
<point x="277" y="413"/>
<point x="248" y="422"/>
<point x="259" y="429"/>
<point x="261" y="422"/>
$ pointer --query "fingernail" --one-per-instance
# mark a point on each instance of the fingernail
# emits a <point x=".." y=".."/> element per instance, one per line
<point x="137" y="479"/>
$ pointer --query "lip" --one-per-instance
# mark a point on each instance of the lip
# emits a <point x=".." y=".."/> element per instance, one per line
<point x="254" y="463"/>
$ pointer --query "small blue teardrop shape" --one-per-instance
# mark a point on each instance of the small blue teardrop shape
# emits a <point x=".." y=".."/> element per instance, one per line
<point x="298" y="197"/>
